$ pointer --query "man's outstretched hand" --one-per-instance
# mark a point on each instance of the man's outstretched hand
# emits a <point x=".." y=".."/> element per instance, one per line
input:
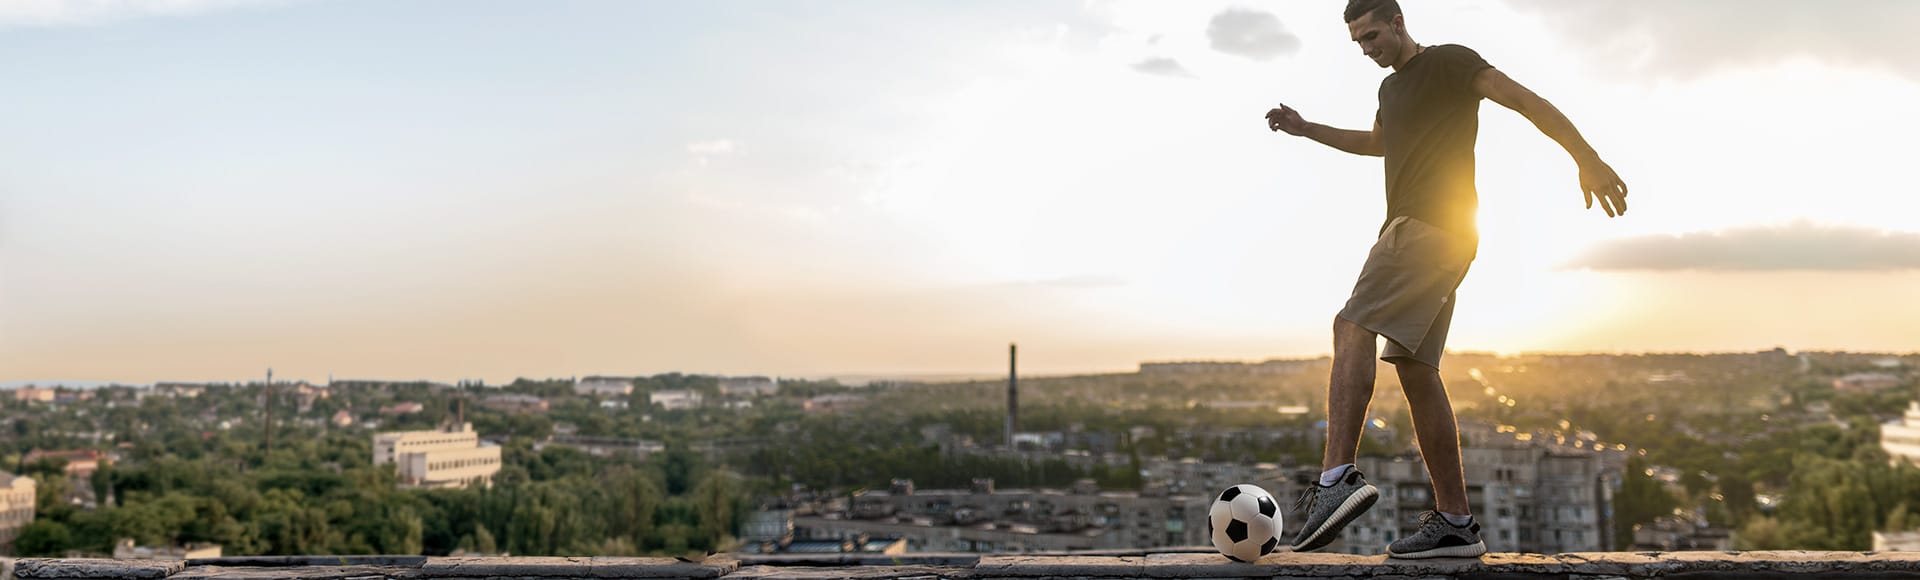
<point x="1598" y="179"/>
<point x="1286" y="119"/>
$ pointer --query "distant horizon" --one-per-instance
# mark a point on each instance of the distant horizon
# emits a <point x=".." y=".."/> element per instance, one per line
<point x="953" y="376"/>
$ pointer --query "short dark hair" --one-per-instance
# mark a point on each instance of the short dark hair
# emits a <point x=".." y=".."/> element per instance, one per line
<point x="1382" y="10"/>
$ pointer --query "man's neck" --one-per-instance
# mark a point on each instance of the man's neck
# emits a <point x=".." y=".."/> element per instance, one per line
<point x="1407" y="56"/>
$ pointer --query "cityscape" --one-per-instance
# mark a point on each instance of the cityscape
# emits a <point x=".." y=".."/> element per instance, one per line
<point x="983" y="290"/>
<point x="1563" y="453"/>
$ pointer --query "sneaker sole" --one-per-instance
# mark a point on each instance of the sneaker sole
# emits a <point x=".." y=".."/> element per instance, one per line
<point x="1473" y="550"/>
<point x="1355" y="505"/>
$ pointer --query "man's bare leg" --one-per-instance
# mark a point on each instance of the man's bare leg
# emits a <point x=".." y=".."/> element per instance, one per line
<point x="1349" y="391"/>
<point x="1433" y="423"/>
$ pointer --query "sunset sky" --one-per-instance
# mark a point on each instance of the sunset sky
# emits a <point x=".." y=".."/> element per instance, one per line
<point x="459" y="189"/>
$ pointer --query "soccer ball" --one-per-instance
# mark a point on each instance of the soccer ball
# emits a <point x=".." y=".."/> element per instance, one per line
<point x="1244" y="523"/>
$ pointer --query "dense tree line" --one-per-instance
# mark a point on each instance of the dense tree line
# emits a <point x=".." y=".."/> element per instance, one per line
<point x="322" y="496"/>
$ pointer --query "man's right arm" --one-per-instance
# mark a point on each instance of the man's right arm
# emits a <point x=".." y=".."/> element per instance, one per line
<point x="1355" y="142"/>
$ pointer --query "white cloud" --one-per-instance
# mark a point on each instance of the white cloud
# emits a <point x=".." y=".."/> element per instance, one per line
<point x="1695" y="38"/>
<point x="1798" y="246"/>
<point x="1251" y="33"/>
<point x="87" y="12"/>
<point x="1162" y="66"/>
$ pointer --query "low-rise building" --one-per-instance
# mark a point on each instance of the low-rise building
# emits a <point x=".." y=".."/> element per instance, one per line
<point x="402" y="408"/>
<point x="833" y="403"/>
<point x="1896" y="541"/>
<point x="35" y="394"/>
<point x="603" y="386"/>
<point x="126" y="550"/>
<point x="440" y="458"/>
<point x="179" y="390"/>
<point x="1901" y="438"/>
<point x="1676" y="533"/>
<point x="16" y="508"/>
<point x="674" y="400"/>
<point x="515" y="403"/>
<point x="605" y="446"/>
<point x="983" y="519"/>
<point x="1865" y="383"/>
<point x="749" y="386"/>
<point x="79" y="463"/>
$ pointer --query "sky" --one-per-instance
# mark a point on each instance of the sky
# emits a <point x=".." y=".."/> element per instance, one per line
<point x="476" y="189"/>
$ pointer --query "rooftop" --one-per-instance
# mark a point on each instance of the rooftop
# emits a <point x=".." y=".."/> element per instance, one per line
<point x="1167" y="565"/>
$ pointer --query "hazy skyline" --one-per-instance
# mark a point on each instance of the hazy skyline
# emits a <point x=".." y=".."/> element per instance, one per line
<point x="200" y="189"/>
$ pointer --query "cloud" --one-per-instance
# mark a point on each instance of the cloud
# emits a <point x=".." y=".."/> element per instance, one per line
<point x="1250" y="33"/>
<point x="87" y="12"/>
<point x="1689" y="39"/>
<point x="1798" y="246"/>
<point x="1162" y="66"/>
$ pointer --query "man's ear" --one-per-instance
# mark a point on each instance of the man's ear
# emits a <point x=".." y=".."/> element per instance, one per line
<point x="1400" y="23"/>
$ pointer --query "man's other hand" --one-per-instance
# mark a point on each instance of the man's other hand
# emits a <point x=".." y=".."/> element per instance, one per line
<point x="1598" y="179"/>
<point x="1286" y="119"/>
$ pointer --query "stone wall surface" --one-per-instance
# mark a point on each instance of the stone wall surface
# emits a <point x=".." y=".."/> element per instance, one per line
<point x="1170" y="566"/>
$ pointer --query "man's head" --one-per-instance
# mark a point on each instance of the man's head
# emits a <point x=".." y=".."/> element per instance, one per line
<point x="1380" y="30"/>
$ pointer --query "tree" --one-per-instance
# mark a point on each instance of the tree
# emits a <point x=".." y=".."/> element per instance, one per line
<point x="43" y="538"/>
<point x="483" y="540"/>
<point x="1641" y="499"/>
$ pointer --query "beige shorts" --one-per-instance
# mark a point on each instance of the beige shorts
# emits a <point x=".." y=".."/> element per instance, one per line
<point x="1406" y="290"/>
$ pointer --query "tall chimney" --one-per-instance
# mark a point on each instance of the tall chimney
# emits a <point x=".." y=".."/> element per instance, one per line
<point x="1013" y="391"/>
<point x="269" y="409"/>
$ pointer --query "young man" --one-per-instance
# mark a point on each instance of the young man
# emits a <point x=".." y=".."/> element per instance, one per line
<point x="1425" y="127"/>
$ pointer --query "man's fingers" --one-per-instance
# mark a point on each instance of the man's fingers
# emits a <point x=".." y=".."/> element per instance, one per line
<point x="1589" y="194"/>
<point x="1620" y="204"/>
<point x="1606" y="203"/>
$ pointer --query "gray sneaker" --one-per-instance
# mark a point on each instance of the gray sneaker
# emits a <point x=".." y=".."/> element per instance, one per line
<point x="1331" y="508"/>
<point x="1439" y="538"/>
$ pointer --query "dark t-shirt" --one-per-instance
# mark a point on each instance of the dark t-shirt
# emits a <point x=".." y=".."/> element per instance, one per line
<point x="1431" y="116"/>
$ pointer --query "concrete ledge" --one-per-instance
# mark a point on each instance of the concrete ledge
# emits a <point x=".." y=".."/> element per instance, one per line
<point x="554" y="567"/>
<point x="400" y="561"/>
<point x="1165" y="566"/>
<point x="296" y="573"/>
<point x="33" y="568"/>
<point x="846" y="560"/>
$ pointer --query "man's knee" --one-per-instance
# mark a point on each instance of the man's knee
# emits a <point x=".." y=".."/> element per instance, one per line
<point x="1411" y="369"/>
<point x="1346" y="331"/>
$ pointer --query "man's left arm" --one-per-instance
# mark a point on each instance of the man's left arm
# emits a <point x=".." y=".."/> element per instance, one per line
<point x="1596" y="177"/>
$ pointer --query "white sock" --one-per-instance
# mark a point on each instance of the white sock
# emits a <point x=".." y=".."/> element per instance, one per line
<point x="1458" y="521"/>
<point x="1332" y="476"/>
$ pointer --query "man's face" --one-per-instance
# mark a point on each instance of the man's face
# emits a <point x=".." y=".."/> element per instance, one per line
<point x="1377" y="39"/>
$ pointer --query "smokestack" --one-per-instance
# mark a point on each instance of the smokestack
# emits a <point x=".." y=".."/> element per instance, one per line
<point x="269" y="422"/>
<point x="1013" y="391"/>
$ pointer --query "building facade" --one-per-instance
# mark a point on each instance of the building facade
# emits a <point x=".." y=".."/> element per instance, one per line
<point x="749" y="386"/>
<point x="515" y="403"/>
<point x="603" y="386"/>
<point x="443" y="458"/>
<point x="1528" y="498"/>
<point x="16" y="508"/>
<point x="675" y="400"/>
<point x="988" y="520"/>
<point x="1901" y="438"/>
